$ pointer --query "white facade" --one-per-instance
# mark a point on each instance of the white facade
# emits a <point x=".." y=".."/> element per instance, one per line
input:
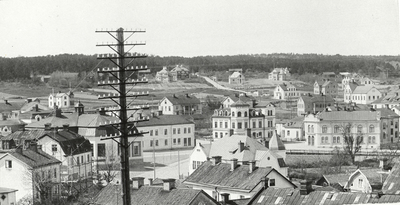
<point x="358" y="182"/>
<point x="61" y="100"/>
<point x="198" y="156"/>
<point x="284" y="92"/>
<point x="365" y="95"/>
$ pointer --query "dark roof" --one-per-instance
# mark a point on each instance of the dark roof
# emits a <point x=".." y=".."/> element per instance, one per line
<point x="387" y="113"/>
<point x="32" y="158"/>
<point x="244" y="98"/>
<point x="281" y="162"/>
<point x="183" y="99"/>
<point x="10" y="106"/>
<point x="149" y="195"/>
<point x="165" y="120"/>
<point x="222" y="176"/>
<point x="69" y="141"/>
<point x="239" y="103"/>
<point x="57" y="121"/>
<point x="293" y="197"/>
<point x="392" y="182"/>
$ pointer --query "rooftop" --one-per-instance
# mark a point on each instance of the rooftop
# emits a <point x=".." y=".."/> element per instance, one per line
<point x="392" y="182"/>
<point x="31" y="158"/>
<point x="165" y="120"/>
<point x="183" y="99"/>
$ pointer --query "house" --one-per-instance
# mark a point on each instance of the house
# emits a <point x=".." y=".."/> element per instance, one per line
<point x="229" y="100"/>
<point x="10" y="109"/>
<point x="324" y="129"/>
<point x="366" y="181"/>
<point x="328" y="76"/>
<point x="34" y="111"/>
<point x="240" y="119"/>
<point x="164" y="76"/>
<point x="280" y="74"/>
<point x="167" y="132"/>
<point x="348" y="90"/>
<point x="8" y="126"/>
<point x="180" y="105"/>
<point x="326" y="88"/>
<point x="306" y="195"/>
<point x="243" y="149"/>
<point x="236" y="78"/>
<point x="365" y="94"/>
<point x="8" y="196"/>
<point x="390" y="100"/>
<point x="73" y="150"/>
<point x="286" y="92"/>
<point x="312" y="104"/>
<point x="333" y="179"/>
<point x="349" y="78"/>
<point x="180" y="72"/>
<point x="239" y="181"/>
<point x="32" y="172"/>
<point x="293" y="130"/>
<point x="167" y="193"/>
<point x="61" y="100"/>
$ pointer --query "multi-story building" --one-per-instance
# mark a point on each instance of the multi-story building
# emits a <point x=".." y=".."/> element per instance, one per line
<point x="61" y="100"/>
<point x="286" y="92"/>
<point x="240" y="119"/>
<point x="280" y="74"/>
<point x="180" y="72"/>
<point x="236" y="78"/>
<point x="324" y="129"/>
<point x="292" y="130"/>
<point x="73" y="150"/>
<point x="34" y="173"/>
<point x="180" y="105"/>
<point x="349" y="78"/>
<point x="326" y="88"/>
<point x="312" y="104"/>
<point x="165" y="76"/>
<point x="390" y="100"/>
<point x="348" y="90"/>
<point x="167" y="132"/>
<point x="365" y="94"/>
<point x="389" y="126"/>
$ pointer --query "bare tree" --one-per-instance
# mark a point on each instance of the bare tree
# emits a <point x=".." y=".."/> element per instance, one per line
<point x="110" y="168"/>
<point x="351" y="140"/>
<point x="338" y="159"/>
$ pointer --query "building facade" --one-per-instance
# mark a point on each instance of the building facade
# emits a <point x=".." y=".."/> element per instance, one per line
<point x="326" y="88"/>
<point x="236" y="78"/>
<point x="286" y="92"/>
<point x="180" y="105"/>
<point x="61" y="100"/>
<point x="365" y="95"/>
<point x="280" y="74"/>
<point x="312" y="104"/>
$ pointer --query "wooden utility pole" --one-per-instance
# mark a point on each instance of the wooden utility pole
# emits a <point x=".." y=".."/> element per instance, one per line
<point x="125" y="126"/>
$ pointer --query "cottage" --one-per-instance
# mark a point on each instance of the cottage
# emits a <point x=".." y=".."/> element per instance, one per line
<point x="180" y="105"/>
<point x="236" y="78"/>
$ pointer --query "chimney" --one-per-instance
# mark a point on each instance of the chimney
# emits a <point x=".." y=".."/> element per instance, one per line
<point x="6" y="101"/>
<point x="252" y="166"/>
<point x="187" y="95"/>
<point x="150" y="181"/>
<point x="65" y="127"/>
<point x="174" y="96"/>
<point x="28" y="100"/>
<point x="58" y="111"/>
<point x="36" y="107"/>
<point x="137" y="182"/>
<point x="305" y="187"/>
<point x="102" y="111"/>
<point x="233" y="163"/>
<point x="216" y="160"/>
<point x="168" y="184"/>
<point x="47" y="126"/>
<point x="225" y="198"/>
<point x="33" y="146"/>
<point x="18" y="149"/>
<point x="241" y="146"/>
<point x="264" y="182"/>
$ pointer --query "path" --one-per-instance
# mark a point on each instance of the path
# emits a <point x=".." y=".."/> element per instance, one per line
<point x="218" y="86"/>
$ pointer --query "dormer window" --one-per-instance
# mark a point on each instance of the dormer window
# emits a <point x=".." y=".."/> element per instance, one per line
<point x="8" y="164"/>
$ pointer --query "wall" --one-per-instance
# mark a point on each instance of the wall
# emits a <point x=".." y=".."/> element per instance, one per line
<point x="197" y="155"/>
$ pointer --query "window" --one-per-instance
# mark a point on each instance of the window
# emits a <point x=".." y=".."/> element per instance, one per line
<point x="324" y="129"/>
<point x="179" y="141"/>
<point x="272" y="182"/>
<point x="312" y="128"/>
<point x="166" y="142"/>
<point x="384" y="125"/>
<point x="82" y="159"/>
<point x="101" y="150"/>
<point x="226" y="124"/>
<point x="220" y="124"/>
<point x="360" y="182"/>
<point x="245" y="113"/>
<point x="151" y="143"/>
<point x="233" y="114"/>
<point x="179" y="130"/>
<point x="156" y="143"/>
<point x="156" y="132"/>
<point x="309" y="128"/>
<point x="254" y="124"/>
<point x="233" y="125"/>
<point x="373" y="139"/>
<point x="185" y="141"/>
<point x="369" y="139"/>
<point x="151" y="132"/>
<point x="194" y="164"/>
<point x="336" y="129"/>
<point x="55" y="172"/>
<point x="396" y="125"/>
<point x="54" y="148"/>
<point x="239" y="114"/>
<point x="239" y="125"/>
<point x="371" y="129"/>
<point x="174" y="131"/>
<point x="215" y="124"/>
<point x="216" y="134"/>
<point x="259" y="123"/>
<point x="288" y="132"/>
<point x="185" y="130"/>
<point x="88" y="158"/>
<point x="221" y="134"/>
<point x="8" y="164"/>
<point x="189" y="141"/>
<point x="174" y="141"/>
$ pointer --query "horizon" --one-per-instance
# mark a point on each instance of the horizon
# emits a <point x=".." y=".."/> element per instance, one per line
<point x="203" y="28"/>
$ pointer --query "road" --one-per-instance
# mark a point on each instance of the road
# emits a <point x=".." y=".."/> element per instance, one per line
<point x="218" y="86"/>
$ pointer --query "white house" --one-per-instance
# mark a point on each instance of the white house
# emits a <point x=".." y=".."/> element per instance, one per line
<point x="365" y="94"/>
<point x="61" y="100"/>
<point x="326" y="88"/>
<point x="286" y="91"/>
<point x="236" y="78"/>
<point x="280" y="74"/>
<point x="366" y="181"/>
<point x="229" y="100"/>
<point x="244" y="149"/>
<point x="29" y="171"/>
<point x="348" y="90"/>
<point x="180" y="105"/>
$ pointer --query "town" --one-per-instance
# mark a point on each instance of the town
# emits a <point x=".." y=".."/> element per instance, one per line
<point x="200" y="103"/>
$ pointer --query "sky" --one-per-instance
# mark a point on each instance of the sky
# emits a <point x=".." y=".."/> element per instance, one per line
<point x="202" y="27"/>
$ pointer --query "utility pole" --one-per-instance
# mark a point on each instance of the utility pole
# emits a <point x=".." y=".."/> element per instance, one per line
<point x="125" y="126"/>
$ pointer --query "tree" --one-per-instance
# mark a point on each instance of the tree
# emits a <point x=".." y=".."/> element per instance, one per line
<point x="351" y="140"/>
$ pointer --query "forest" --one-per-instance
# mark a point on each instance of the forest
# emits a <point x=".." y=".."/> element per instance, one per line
<point x="23" y="68"/>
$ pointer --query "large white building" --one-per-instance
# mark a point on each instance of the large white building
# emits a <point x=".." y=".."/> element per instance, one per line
<point x="61" y="100"/>
<point x="29" y="171"/>
<point x="365" y="94"/>
<point x="280" y="74"/>
<point x="286" y="92"/>
<point x="239" y="118"/>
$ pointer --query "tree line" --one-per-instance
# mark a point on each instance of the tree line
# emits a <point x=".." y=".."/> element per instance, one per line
<point x="20" y="68"/>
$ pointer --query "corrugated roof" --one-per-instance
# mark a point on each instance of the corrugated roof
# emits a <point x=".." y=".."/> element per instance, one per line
<point x="33" y="159"/>
<point x="149" y="195"/>
<point x="293" y="197"/>
<point x="392" y="182"/>
<point x="348" y="115"/>
<point x="221" y="175"/>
